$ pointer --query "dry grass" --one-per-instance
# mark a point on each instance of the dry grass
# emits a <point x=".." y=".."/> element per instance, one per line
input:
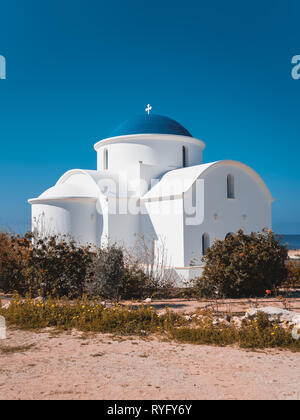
<point x="15" y="349"/>
<point x="91" y="317"/>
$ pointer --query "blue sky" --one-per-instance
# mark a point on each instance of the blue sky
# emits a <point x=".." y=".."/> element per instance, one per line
<point x="76" y="69"/>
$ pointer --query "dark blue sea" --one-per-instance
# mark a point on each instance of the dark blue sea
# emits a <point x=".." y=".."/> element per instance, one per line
<point x="292" y="241"/>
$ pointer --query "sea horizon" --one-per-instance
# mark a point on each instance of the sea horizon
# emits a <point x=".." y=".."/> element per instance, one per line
<point x="291" y="240"/>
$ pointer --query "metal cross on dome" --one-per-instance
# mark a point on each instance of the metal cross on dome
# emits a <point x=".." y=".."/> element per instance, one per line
<point x="148" y="109"/>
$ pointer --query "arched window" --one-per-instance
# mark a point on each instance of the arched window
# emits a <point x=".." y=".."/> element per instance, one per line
<point x="205" y="243"/>
<point x="230" y="186"/>
<point x="184" y="156"/>
<point x="105" y="159"/>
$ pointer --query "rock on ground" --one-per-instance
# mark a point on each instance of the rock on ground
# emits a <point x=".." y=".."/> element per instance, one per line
<point x="276" y="313"/>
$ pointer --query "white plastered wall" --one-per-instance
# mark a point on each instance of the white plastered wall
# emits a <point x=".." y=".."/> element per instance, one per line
<point x="77" y="218"/>
<point x="164" y="151"/>
<point x="163" y="221"/>
<point x="250" y="210"/>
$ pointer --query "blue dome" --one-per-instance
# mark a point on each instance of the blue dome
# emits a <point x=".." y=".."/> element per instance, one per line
<point x="150" y="124"/>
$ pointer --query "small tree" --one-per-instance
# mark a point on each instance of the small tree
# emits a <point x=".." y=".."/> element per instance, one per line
<point x="243" y="265"/>
<point x="135" y="283"/>
<point x="106" y="272"/>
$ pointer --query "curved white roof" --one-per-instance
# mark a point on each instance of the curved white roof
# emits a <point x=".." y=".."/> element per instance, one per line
<point x="87" y="184"/>
<point x="179" y="181"/>
<point x="80" y="184"/>
<point x="98" y="182"/>
<point x="65" y="190"/>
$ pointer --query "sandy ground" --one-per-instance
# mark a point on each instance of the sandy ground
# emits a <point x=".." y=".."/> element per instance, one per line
<point x="50" y="365"/>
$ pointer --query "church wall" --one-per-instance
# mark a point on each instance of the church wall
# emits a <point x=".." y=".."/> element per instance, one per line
<point x="164" y="223"/>
<point x="76" y="218"/>
<point x="150" y="151"/>
<point x="250" y="210"/>
<point x="123" y="225"/>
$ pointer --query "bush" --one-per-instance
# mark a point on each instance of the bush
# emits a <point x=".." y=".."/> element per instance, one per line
<point x="47" y="266"/>
<point x="243" y="266"/>
<point x="135" y="283"/>
<point x="106" y="272"/>
<point x="14" y="255"/>
<point x="293" y="278"/>
<point x="114" y="277"/>
<point x="58" y="267"/>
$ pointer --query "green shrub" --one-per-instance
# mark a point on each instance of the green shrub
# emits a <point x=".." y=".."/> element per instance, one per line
<point x="58" y="267"/>
<point x="293" y="278"/>
<point x="14" y="255"/>
<point x="114" y="278"/>
<point x="243" y="266"/>
<point x="135" y="283"/>
<point x="106" y="272"/>
<point x="52" y="265"/>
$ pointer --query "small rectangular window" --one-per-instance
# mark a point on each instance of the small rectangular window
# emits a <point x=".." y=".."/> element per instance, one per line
<point x="105" y="159"/>
<point x="184" y="156"/>
<point x="230" y="186"/>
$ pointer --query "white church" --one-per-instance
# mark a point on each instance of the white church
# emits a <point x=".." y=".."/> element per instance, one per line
<point x="150" y="181"/>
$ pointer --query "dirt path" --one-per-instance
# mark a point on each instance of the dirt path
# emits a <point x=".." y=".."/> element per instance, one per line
<point x="47" y="365"/>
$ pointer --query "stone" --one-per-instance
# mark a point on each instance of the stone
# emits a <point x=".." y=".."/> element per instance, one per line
<point x="296" y="322"/>
<point x="296" y="333"/>
<point x="274" y="313"/>
<point x="236" y="321"/>
<point x="38" y="299"/>
<point x="148" y="300"/>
